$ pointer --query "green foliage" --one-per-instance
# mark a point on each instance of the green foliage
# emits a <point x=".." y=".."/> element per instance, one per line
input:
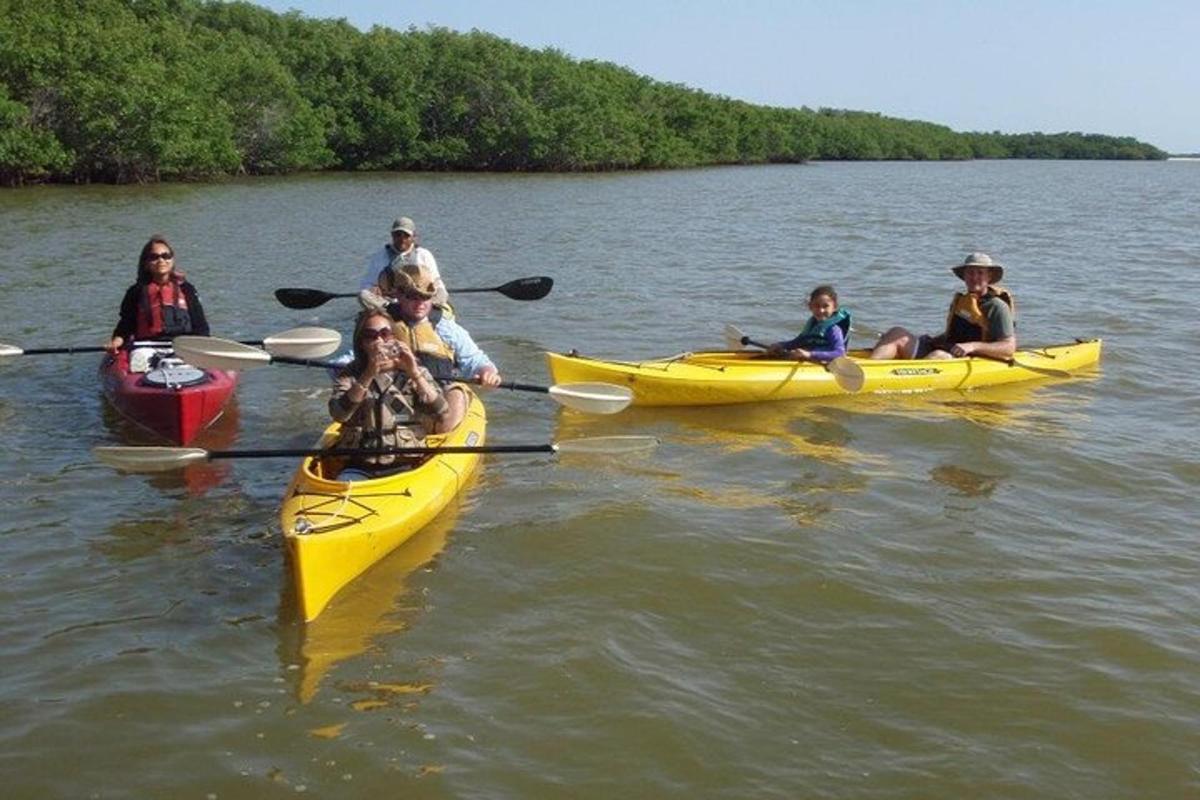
<point x="1061" y="145"/>
<point x="274" y="129"/>
<point x="28" y="151"/>
<point x="144" y="90"/>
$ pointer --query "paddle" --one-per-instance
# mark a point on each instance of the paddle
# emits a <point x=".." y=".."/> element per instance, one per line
<point x="520" y="289"/>
<point x="305" y="342"/>
<point x="590" y="398"/>
<point x="8" y="351"/>
<point x="1013" y="362"/>
<point x="845" y="371"/>
<point x="1010" y="360"/>
<point x="204" y="351"/>
<point x="161" y="459"/>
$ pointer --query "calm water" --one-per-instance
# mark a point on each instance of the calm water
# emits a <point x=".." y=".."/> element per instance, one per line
<point x="992" y="594"/>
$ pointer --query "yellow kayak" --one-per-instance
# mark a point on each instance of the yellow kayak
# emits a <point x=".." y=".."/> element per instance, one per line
<point x="716" y="378"/>
<point x="379" y="604"/>
<point x="335" y="530"/>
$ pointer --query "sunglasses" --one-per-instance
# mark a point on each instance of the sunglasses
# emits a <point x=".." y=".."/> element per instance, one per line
<point x="401" y="234"/>
<point x="159" y="256"/>
<point x="418" y="298"/>
<point x="371" y="334"/>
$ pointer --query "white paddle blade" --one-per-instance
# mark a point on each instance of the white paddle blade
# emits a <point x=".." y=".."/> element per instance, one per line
<point x="848" y="374"/>
<point x="8" y="351"/>
<point x="592" y="398"/>
<point x="733" y="338"/>
<point x="149" y="459"/>
<point x="606" y="445"/>
<point x="212" y="353"/>
<point x="307" y="342"/>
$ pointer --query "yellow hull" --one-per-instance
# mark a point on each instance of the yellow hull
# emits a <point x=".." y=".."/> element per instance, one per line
<point x="717" y="378"/>
<point x="336" y="530"/>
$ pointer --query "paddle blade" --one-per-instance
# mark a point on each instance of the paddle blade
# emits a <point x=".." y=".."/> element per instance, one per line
<point x="592" y="398"/>
<point x="606" y="445"/>
<point x="848" y="374"/>
<point x="527" y="288"/>
<point x="1055" y="373"/>
<point x="212" y="353"/>
<point x="303" y="298"/>
<point x="306" y="342"/>
<point x="9" y="351"/>
<point x="520" y="289"/>
<point x="149" y="459"/>
<point x="734" y="338"/>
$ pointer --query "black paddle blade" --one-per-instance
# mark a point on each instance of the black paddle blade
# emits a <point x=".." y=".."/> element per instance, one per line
<point x="303" y="298"/>
<point x="308" y="298"/>
<point x="527" y="288"/>
<point x="520" y="289"/>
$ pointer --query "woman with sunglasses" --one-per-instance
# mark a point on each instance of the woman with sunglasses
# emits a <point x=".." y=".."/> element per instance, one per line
<point x="384" y="398"/>
<point x="161" y="304"/>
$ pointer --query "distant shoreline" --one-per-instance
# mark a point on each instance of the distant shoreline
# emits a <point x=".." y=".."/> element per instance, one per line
<point x="243" y="90"/>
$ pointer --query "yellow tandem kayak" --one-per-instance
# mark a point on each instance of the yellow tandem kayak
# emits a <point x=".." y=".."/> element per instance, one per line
<point x="716" y="378"/>
<point x="335" y="530"/>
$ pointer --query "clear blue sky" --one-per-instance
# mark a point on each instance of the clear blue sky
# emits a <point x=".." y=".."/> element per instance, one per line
<point x="1118" y="67"/>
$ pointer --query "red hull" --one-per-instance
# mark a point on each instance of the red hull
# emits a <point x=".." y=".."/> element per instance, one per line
<point x="176" y="413"/>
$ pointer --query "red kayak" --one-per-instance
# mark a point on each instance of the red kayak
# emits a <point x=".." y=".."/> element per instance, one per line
<point x="172" y="399"/>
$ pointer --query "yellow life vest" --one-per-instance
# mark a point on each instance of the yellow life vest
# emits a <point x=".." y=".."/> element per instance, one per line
<point x="966" y="321"/>
<point x="433" y="353"/>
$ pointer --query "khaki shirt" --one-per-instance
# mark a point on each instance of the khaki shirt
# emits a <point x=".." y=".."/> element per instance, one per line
<point x="389" y="415"/>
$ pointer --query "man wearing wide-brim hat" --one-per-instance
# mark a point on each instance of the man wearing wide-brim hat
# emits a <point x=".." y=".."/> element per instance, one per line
<point x="980" y="322"/>
<point x="441" y="345"/>
<point x="403" y="246"/>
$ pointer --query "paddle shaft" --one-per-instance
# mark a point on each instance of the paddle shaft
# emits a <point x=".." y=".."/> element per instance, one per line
<point x="297" y="452"/>
<point x="310" y="362"/>
<point x="518" y="387"/>
<point x="48" y="351"/>
<point x="1012" y="362"/>
<point x="501" y="289"/>
<point x="519" y="289"/>
<point x="752" y="343"/>
<point x="746" y="340"/>
<point x="306" y="362"/>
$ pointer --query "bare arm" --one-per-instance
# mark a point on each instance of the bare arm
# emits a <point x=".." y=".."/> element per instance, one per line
<point x="1002" y="348"/>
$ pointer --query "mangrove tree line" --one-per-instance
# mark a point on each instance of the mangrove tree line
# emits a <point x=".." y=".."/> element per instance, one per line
<point x="144" y="90"/>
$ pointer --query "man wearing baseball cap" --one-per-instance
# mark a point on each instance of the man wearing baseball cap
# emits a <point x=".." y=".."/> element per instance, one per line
<point x="404" y="246"/>
<point x="980" y="321"/>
